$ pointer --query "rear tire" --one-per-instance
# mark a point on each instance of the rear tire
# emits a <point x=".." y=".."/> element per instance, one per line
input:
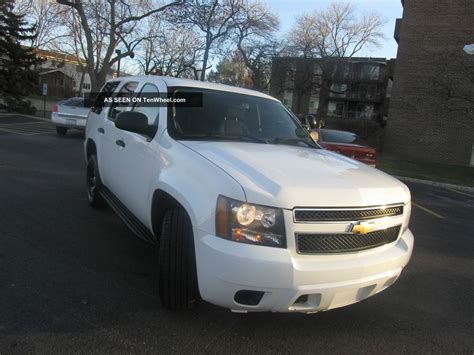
<point x="93" y="183"/>
<point x="177" y="262"/>
<point x="61" y="131"/>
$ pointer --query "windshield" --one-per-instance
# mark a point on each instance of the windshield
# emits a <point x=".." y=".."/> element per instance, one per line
<point x="341" y="137"/>
<point x="236" y="117"/>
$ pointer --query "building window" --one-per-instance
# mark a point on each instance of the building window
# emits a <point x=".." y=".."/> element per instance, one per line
<point x="364" y="111"/>
<point x="289" y="76"/>
<point x="313" y="104"/>
<point x="335" y="108"/>
<point x="86" y="86"/>
<point x="368" y="112"/>
<point x="288" y="99"/>
<point x="59" y="82"/>
<point x="317" y="70"/>
<point x="389" y="87"/>
<point x="371" y="92"/>
<point x="338" y="90"/>
<point x="370" y="72"/>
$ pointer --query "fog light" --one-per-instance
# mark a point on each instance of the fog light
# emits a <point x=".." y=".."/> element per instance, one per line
<point x="302" y="299"/>
<point x="248" y="297"/>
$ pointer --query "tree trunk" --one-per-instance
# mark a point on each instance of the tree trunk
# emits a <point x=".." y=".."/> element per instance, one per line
<point x="204" y="62"/>
<point x="83" y="74"/>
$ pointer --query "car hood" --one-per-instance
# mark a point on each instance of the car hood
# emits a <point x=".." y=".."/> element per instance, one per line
<point x="289" y="176"/>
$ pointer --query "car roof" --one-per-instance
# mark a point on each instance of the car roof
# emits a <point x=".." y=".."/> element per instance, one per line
<point x="171" y="81"/>
<point x="337" y="130"/>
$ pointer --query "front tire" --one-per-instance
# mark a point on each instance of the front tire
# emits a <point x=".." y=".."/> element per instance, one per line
<point x="177" y="262"/>
<point x="61" y="131"/>
<point x="93" y="183"/>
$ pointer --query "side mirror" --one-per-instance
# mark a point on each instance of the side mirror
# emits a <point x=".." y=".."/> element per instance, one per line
<point x="134" y="121"/>
<point x="314" y="135"/>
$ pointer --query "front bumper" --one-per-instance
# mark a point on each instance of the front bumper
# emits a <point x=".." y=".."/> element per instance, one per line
<point x="325" y="281"/>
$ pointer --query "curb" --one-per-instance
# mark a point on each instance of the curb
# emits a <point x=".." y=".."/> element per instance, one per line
<point x="436" y="183"/>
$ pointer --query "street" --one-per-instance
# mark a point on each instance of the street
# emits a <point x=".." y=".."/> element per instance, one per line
<point x="75" y="279"/>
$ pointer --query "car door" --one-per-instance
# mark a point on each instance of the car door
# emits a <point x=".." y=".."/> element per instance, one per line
<point x="137" y="161"/>
<point x="110" y="136"/>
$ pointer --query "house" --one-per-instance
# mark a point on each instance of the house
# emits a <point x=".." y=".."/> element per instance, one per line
<point x="59" y="83"/>
<point x="65" y="74"/>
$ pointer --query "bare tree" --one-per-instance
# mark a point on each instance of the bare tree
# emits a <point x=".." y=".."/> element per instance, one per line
<point x="334" y="35"/>
<point x="255" y="33"/>
<point x="303" y="38"/>
<point x="335" y="32"/>
<point x="43" y="14"/>
<point x="212" y="20"/>
<point x="168" y="50"/>
<point x="231" y="70"/>
<point x="106" y="26"/>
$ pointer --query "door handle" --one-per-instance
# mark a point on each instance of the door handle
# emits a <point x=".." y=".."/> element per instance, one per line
<point x="120" y="143"/>
<point x="100" y="130"/>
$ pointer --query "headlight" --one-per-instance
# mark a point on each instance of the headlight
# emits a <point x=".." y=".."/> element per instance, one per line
<point x="248" y="223"/>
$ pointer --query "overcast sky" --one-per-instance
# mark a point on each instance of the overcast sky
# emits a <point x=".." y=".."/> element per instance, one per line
<point x="389" y="10"/>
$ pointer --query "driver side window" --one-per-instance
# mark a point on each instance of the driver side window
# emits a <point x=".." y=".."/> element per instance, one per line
<point x="125" y="92"/>
<point x="150" y="110"/>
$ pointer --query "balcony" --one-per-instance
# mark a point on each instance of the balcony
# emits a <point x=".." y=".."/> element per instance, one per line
<point x="353" y="114"/>
<point x="357" y="96"/>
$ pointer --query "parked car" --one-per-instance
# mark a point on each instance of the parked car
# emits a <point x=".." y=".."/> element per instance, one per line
<point x="70" y="113"/>
<point x="348" y="144"/>
<point x="248" y="213"/>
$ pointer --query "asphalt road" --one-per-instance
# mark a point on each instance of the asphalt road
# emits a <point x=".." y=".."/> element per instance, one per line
<point x="74" y="279"/>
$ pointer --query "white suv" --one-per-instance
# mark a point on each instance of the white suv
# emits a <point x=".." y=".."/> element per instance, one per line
<point x="247" y="211"/>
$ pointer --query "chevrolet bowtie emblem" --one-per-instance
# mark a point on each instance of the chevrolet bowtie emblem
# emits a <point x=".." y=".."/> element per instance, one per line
<point x="362" y="227"/>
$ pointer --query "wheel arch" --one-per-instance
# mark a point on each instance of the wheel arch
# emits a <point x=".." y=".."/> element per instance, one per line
<point x="91" y="148"/>
<point x="161" y="202"/>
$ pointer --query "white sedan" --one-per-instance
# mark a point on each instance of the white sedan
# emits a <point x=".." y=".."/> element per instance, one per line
<point x="71" y="113"/>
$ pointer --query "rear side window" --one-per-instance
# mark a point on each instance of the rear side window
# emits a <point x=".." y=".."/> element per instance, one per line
<point x="78" y="102"/>
<point x="75" y="101"/>
<point x="106" y="91"/>
<point x="118" y="106"/>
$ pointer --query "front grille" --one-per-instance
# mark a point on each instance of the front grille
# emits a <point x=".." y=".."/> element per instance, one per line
<point x="319" y="215"/>
<point x="344" y="242"/>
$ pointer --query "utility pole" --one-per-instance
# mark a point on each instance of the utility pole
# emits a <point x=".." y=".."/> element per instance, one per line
<point x="118" y="52"/>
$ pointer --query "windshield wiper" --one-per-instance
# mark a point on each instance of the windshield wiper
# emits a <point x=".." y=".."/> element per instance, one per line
<point x="292" y="141"/>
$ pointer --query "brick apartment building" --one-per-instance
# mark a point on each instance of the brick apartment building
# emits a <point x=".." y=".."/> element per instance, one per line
<point x="352" y="94"/>
<point x="431" y="114"/>
<point x="348" y="88"/>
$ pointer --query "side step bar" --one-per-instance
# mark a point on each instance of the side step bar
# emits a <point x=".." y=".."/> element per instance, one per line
<point x="132" y="222"/>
